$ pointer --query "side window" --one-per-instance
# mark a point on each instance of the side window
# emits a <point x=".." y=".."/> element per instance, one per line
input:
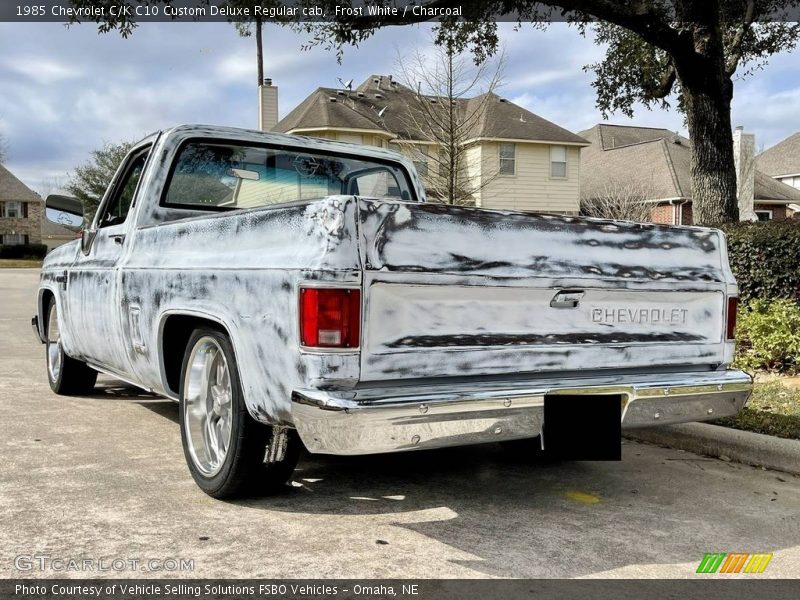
<point x="116" y="211"/>
<point x="508" y="159"/>
<point x="558" y="161"/>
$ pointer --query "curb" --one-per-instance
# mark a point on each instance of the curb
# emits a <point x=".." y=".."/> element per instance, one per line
<point x="744" y="447"/>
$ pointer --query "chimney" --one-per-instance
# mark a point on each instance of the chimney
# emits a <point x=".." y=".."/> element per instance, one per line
<point x="744" y="145"/>
<point x="267" y="105"/>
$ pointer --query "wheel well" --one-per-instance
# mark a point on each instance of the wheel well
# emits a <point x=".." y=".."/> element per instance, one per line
<point x="174" y="338"/>
<point x="44" y="303"/>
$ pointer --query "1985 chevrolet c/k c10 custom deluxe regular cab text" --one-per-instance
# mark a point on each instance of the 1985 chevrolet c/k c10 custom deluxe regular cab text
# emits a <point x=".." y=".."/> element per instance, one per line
<point x="295" y="292"/>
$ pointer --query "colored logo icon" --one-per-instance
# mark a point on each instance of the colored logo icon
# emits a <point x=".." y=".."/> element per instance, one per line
<point x="734" y="562"/>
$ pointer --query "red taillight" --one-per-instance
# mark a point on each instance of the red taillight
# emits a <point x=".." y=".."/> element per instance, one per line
<point x="330" y="317"/>
<point x="733" y="305"/>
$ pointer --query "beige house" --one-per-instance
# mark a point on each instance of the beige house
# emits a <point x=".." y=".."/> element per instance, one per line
<point x="515" y="159"/>
<point x="655" y="163"/>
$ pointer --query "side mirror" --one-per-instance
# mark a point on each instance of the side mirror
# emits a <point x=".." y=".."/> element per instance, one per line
<point x="65" y="211"/>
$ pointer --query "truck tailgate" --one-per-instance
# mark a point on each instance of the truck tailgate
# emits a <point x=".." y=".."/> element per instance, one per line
<point x="457" y="291"/>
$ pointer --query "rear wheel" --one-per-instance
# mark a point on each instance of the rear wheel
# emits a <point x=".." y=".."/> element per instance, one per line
<point x="228" y="452"/>
<point x="67" y="376"/>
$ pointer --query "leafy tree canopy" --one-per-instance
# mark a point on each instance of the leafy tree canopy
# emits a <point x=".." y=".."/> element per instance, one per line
<point x="90" y="181"/>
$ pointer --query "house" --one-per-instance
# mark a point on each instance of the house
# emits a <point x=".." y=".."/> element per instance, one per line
<point x="655" y="163"/>
<point x="514" y="158"/>
<point x="21" y="211"/>
<point x="782" y="162"/>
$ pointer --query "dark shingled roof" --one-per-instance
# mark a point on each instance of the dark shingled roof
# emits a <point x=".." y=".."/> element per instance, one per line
<point x="332" y="108"/>
<point x="782" y="159"/>
<point x="654" y="159"/>
<point x="12" y="188"/>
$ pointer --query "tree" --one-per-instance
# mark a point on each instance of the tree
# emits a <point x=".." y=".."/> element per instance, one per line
<point x="688" y="49"/>
<point x="449" y="103"/>
<point x="620" y="200"/>
<point x="90" y="181"/>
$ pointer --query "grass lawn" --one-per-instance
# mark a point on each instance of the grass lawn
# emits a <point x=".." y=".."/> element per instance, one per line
<point x="773" y="409"/>
<point x="17" y="263"/>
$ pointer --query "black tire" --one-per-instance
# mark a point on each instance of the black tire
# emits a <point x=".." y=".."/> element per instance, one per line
<point x="243" y="471"/>
<point x="66" y="376"/>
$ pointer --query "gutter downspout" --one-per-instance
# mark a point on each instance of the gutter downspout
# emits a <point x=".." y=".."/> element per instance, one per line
<point x="677" y="205"/>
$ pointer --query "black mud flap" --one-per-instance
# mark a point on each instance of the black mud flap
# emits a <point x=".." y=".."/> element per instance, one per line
<point x="583" y="427"/>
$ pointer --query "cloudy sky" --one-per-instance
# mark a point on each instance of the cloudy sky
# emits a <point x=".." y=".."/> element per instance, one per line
<point x="64" y="91"/>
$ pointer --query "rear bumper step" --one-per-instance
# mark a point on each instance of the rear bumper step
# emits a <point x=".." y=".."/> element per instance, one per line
<point x="371" y="421"/>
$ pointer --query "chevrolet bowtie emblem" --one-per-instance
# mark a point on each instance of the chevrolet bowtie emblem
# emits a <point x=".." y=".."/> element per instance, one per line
<point x="567" y="299"/>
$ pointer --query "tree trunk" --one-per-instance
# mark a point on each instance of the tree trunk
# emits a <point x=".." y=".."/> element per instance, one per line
<point x="708" y="116"/>
<point x="259" y="51"/>
<point x="707" y="93"/>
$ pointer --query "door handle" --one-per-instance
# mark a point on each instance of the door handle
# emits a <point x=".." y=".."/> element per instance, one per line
<point x="118" y="238"/>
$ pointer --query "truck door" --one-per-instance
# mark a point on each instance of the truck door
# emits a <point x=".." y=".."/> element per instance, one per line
<point x="93" y="290"/>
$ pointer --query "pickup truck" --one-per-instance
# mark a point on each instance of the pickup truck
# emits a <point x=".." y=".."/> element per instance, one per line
<point x="298" y="293"/>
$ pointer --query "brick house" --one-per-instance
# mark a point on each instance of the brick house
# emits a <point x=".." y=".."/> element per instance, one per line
<point x="657" y="163"/>
<point x="21" y="211"/>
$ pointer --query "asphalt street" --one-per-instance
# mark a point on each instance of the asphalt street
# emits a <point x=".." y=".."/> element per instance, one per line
<point x="102" y="478"/>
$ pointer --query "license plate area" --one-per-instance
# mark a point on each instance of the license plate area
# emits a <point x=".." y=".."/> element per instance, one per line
<point x="583" y="427"/>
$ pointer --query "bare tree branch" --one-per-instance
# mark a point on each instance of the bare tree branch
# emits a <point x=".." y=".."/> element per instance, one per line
<point x="450" y="99"/>
<point x="622" y="201"/>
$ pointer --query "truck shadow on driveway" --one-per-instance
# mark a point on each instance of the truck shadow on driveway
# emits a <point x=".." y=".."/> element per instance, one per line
<point x="516" y="519"/>
<point x="657" y="512"/>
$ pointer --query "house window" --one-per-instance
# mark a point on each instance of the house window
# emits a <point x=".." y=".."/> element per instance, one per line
<point x="558" y="161"/>
<point x="508" y="160"/>
<point x="13" y="239"/>
<point x="12" y="210"/>
<point x="764" y="215"/>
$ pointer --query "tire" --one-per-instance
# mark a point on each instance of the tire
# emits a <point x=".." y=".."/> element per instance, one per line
<point x="225" y="448"/>
<point x="66" y="376"/>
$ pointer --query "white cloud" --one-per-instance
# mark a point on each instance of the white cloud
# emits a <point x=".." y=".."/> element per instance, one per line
<point x="43" y="70"/>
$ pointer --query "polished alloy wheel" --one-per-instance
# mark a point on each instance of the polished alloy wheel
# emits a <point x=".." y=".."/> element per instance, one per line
<point x="54" y="354"/>
<point x="208" y="406"/>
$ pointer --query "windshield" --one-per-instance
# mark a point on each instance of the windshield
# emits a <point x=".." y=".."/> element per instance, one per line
<point x="220" y="176"/>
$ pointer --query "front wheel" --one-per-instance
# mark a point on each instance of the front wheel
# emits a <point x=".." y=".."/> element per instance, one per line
<point x="228" y="452"/>
<point x="66" y="376"/>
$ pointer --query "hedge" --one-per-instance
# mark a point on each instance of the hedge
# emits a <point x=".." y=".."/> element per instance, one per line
<point x="765" y="258"/>
<point x="23" y="251"/>
<point x="768" y="336"/>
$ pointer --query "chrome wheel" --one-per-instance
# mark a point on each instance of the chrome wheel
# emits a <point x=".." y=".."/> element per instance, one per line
<point x="208" y="406"/>
<point x="55" y="357"/>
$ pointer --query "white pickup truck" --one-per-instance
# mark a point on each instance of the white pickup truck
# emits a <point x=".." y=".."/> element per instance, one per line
<point x="291" y="292"/>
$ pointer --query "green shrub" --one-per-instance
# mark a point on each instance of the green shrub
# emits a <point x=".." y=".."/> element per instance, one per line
<point x="765" y="258"/>
<point x="23" y="251"/>
<point x="768" y="336"/>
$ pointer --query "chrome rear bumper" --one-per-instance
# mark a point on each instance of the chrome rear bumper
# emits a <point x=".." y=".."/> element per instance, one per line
<point x="370" y="421"/>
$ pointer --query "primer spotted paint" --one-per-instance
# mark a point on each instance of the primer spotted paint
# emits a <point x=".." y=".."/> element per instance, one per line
<point x="448" y="292"/>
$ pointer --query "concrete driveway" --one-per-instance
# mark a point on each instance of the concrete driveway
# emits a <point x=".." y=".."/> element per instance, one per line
<point x="103" y="478"/>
